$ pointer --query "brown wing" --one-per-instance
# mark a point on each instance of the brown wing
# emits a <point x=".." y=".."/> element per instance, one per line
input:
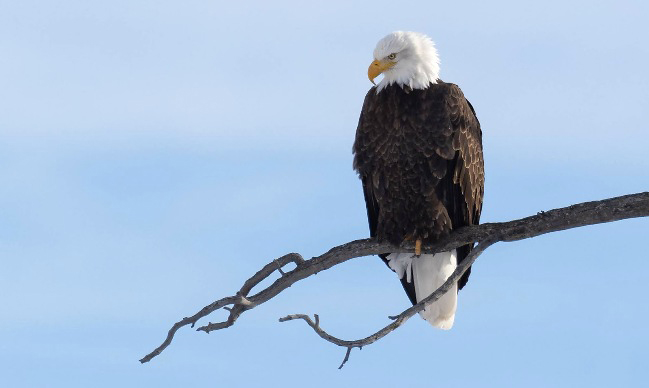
<point x="462" y="188"/>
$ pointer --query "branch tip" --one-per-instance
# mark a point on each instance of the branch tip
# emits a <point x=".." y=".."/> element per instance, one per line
<point x="349" y="350"/>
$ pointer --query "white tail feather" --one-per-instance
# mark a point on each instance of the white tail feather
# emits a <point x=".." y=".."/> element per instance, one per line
<point x="428" y="273"/>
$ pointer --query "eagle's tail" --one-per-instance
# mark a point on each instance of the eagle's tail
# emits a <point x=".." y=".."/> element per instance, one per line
<point x="428" y="272"/>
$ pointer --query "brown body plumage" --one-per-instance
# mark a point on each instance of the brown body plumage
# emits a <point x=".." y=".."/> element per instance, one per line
<point x="418" y="153"/>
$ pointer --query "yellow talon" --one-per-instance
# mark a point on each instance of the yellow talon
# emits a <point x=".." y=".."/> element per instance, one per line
<point x="418" y="247"/>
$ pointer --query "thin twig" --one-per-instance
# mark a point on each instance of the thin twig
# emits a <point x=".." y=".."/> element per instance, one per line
<point x="347" y="353"/>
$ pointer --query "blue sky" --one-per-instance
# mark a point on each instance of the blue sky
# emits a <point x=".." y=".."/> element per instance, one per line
<point x="155" y="154"/>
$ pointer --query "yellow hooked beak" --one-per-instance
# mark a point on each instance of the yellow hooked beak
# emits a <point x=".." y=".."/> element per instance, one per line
<point x="377" y="67"/>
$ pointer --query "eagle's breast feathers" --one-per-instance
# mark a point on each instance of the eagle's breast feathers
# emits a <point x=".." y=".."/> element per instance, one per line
<point x="419" y="156"/>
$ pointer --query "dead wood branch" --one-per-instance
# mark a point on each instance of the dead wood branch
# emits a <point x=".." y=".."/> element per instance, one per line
<point x="587" y="213"/>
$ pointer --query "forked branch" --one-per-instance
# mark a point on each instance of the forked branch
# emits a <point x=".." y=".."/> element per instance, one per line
<point x="399" y="319"/>
<point x="587" y="213"/>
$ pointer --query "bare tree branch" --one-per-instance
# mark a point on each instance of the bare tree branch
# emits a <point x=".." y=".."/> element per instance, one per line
<point x="401" y="318"/>
<point x="587" y="213"/>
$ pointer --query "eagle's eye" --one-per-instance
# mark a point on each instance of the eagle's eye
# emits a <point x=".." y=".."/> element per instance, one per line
<point x="392" y="56"/>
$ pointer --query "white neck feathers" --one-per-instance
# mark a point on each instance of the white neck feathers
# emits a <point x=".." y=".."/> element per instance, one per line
<point x="416" y="63"/>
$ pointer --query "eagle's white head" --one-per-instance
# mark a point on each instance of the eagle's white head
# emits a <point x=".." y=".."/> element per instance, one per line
<point x="405" y="58"/>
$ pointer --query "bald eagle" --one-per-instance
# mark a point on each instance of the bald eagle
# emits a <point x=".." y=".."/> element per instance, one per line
<point x="418" y="153"/>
